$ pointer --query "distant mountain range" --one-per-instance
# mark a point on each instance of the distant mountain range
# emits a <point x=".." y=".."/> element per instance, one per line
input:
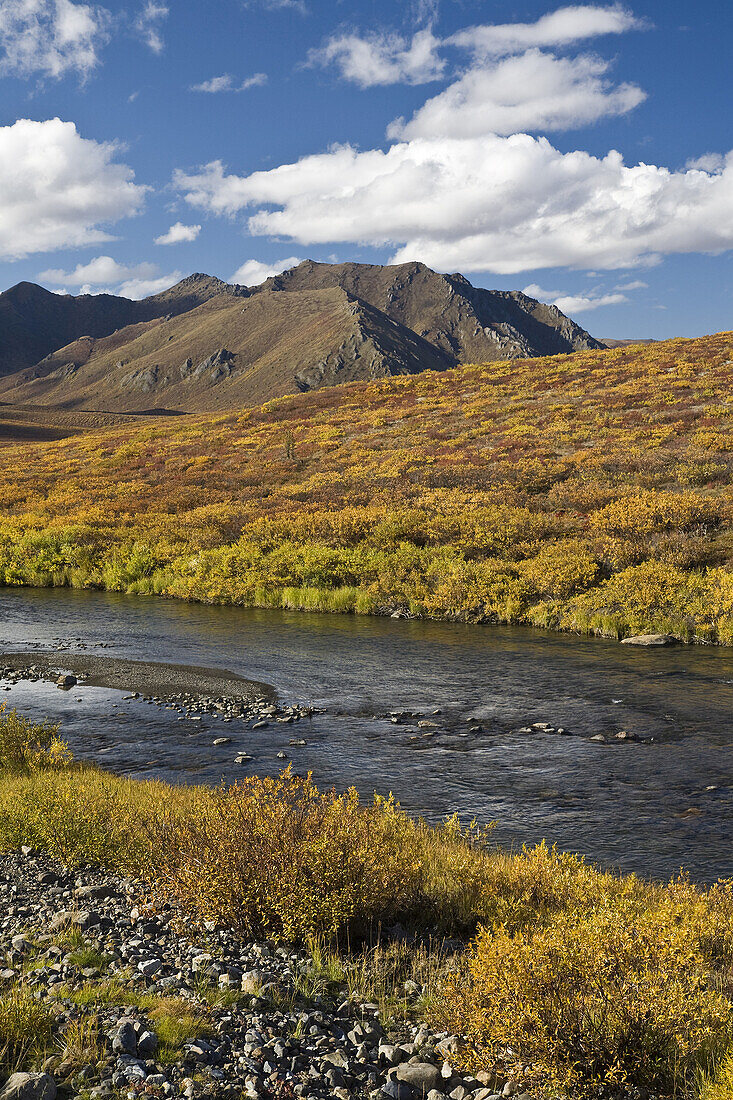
<point x="206" y="345"/>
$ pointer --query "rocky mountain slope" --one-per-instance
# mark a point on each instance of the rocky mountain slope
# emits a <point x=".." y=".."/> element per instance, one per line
<point x="228" y="353"/>
<point x="205" y="345"/>
<point x="469" y="324"/>
<point x="35" y="322"/>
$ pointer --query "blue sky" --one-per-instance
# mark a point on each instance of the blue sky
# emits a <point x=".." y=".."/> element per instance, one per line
<point x="578" y="152"/>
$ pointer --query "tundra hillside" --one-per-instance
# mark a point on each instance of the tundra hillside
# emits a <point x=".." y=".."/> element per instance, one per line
<point x="587" y="492"/>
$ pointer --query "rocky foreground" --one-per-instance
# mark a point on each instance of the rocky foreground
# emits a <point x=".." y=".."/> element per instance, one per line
<point x="144" y="1011"/>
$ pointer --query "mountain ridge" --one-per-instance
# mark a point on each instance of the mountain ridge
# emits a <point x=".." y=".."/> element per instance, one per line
<point x="205" y="344"/>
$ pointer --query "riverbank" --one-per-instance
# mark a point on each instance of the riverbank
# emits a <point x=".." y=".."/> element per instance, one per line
<point x="164" y="681"/>
<point x="560" y="980"/>
<point x="122" y="999"/>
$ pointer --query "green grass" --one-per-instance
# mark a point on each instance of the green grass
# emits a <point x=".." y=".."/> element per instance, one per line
<point x="26" y="1029"/>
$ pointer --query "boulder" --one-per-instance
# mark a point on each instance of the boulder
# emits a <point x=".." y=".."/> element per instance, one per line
<point x="650" y="640"/>
<point x="147" y="1044"/>
<point x="421" y="1076"/>
<point x="124" y="1040"/>
<point x="29" y="1086"/>
<point x="67" y="681"/>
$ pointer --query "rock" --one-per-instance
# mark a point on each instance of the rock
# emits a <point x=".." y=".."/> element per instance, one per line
<point x="66" y="682"/>
<point x="422" y="1076"/>
<point x="448" y="1046"/>
<point x="223" y="741"/>
<point x="29" y="1086"/>
<point x="147" y="1044"/>
<point x="599" y="737"/>
<point x="397" y="1090"/>
<point x="650" y="640"/>
<point x="124" y="1041"/>
<point x="252" y="982"/>
<point x="390" y="1054"/>
<point x="149" y="967"/>
<point x="61" y="921"/>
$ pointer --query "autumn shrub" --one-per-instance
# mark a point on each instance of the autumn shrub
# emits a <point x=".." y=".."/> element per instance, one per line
<point x="561" y="569"/>
<point x="84" y="815"/>
<point x="517" y="492"/>
<point x="277" y="857"/>
<point x="616" y="995"/>
<point x="27" y="746"/>
<point x="719" y="1084"/>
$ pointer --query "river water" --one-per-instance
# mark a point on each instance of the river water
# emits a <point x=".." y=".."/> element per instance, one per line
<point x="651" y="808"/>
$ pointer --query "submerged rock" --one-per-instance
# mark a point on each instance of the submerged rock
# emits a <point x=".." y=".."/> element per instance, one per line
<point x="650" y="640"/>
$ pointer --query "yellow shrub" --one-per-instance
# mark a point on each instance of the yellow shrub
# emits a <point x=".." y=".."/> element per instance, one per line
<point x="616" y="995"/>
<point x="561" y="569"/>
<point x="642" y="513"/>
<point x="28" y="746"/>
<point x="277" y="857"/>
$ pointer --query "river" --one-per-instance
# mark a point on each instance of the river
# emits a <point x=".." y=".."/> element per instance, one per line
<point x="650" y="807"/>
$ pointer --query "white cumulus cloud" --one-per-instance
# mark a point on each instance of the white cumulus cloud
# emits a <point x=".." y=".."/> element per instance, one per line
<point x="534" y="91"/>
<point x="103" y="275"/>
<point x="382" y="58"/>
<point x="58" y="189"/>
<point x="254" y="272"/>
<point x="142" y="288"/>
<point x="99" y="271"/>
<point x="501" y="204"/>
<point x="51" y="38"/>
<point x="574" y="303"/>
<point x="179" y="234"/>
<point x="564" y="27"/>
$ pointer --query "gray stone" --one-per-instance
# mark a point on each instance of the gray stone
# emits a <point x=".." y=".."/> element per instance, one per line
<point x="422" y="1076"/>
<point x="391" y="1055"/>
<point x="29" y="1086"/>
<point x="460" y="1092"/>
<point x="149" y="967"/>
<point x="147" y="1044"/>
<point x="650" y="640"/>
<point x="124" y="1040"/>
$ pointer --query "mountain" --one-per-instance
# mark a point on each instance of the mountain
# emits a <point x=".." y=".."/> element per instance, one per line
<point x="35" y="322"/>
<point x="206" y="345"/>
<point x="469" y="324"/>
<point x="226" y="353"/>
